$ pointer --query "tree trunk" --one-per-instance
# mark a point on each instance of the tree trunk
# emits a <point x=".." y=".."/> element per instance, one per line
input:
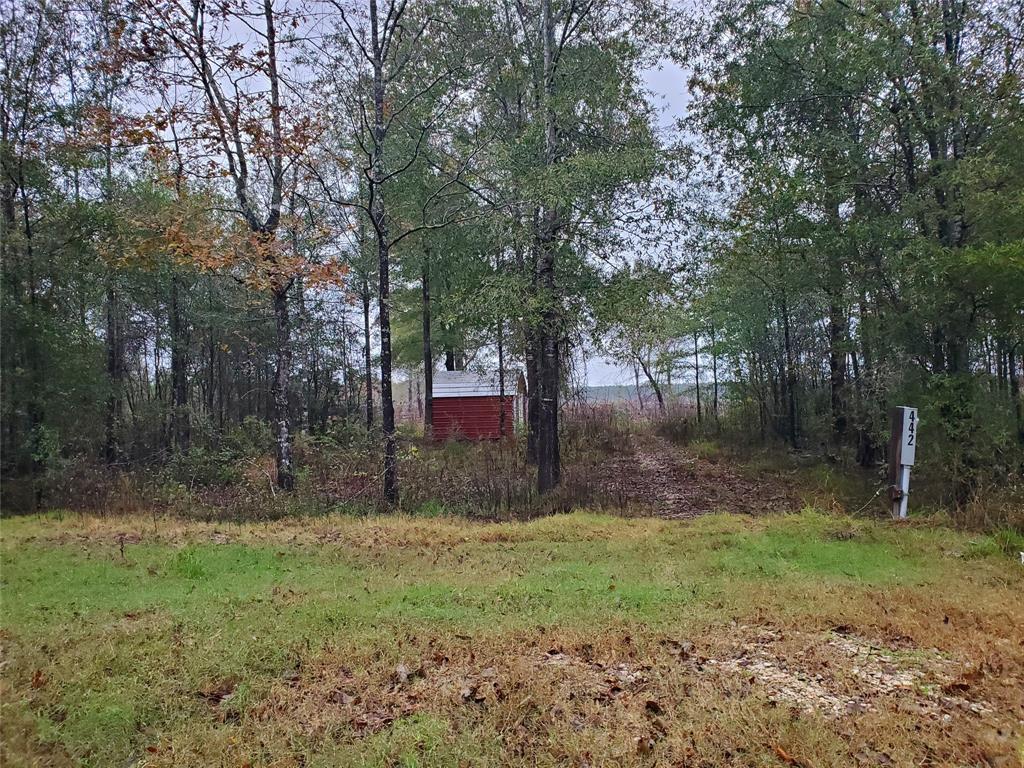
<point x="532" y="397"/>
<point x="115" y="377"/>
<point x="792" y="429"/>
<point x="428" y="354"/>
<point x="549" y="469"/>
<point x="282" y="375"/>
<point x="501" y="379"/>
<point x="696" y="373"/>
<point x="454" y="359"/>
<point x="1018" y="404"/>
<point x="377" y="214"/>
<point x="222" y="392"/>
<point x="549" y="466"/>
<point x="714" y="377"/>
<point x="180" y="426"/>
<point x="367" y="355"/>
<point x="387" y="404"/>
<point x="837" y="332"/>
<point x="658" y="394"/>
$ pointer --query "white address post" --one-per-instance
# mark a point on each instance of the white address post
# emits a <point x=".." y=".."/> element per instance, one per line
<point x="902" y="450"/>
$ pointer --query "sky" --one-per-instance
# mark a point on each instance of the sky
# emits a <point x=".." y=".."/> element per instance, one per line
<point x="667" y="84"/>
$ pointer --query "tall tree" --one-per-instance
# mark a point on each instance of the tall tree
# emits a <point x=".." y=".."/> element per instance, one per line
<point x="563" y="94"/>
<point x="397" y="97"/>
<point x="244" y="96"/>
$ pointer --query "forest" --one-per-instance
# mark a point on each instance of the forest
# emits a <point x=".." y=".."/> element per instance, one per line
<point x="235" y="226"/>
<point x="511" y="383"/>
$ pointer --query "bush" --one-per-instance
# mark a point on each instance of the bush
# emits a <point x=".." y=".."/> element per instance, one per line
<point x="252" y="437"/>
<point x="677" y="424"/>
<point x="967" y="441"/>
<point x="205" y="466"/>
<point x="601" y="427"/>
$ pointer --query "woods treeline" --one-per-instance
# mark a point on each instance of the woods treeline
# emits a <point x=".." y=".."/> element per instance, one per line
<point x="236" y="222"/>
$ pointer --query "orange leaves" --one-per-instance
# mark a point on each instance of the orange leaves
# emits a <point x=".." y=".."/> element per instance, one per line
<point x="329" y="273"/>
<point x="789" y="759"/>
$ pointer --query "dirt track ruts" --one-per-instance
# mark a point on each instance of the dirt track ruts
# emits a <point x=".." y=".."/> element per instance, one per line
<point x="674" y="482"/>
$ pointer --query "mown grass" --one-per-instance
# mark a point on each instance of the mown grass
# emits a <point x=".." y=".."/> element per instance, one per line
<point x="108" y="654"/>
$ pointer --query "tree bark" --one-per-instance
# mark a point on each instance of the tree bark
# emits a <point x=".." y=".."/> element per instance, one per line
<point x="428" y="354"/>
<point x="792" y="428"/>
<point x="367" y="355"/>
<point x="501" y="379"/>
<point x="549" y="467"/>
<point x="377" y="215"/>
<point x="532" y="396"/>
<point x="714" y="377"/>
<point x="1018" y="404"/>
<point x="179" y="371"/>
<point x="658" y="394"/>
<point x="837" y="332"/>
<point x="282" y="375"/>
<point x="115" y="377"/>
<point x="696" y="373"/>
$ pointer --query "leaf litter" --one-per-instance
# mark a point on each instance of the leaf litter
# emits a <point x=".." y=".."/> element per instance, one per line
<point x="660" y="479"/>
<point x="530" y="687"/>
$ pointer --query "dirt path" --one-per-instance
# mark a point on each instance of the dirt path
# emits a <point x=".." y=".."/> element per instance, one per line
<point x="675" y="482"/>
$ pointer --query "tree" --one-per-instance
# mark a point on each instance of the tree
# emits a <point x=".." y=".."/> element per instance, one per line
<point x="397" y="98"/>
<point x="244" y="96"/>
<point x="563" y="93"/>
<point x="638" y="317"/>
<point x="866" y="118"/>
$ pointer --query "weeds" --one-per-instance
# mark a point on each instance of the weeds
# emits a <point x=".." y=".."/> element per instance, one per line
<point x="608" y="464"/>
<point x="439" y="641"/>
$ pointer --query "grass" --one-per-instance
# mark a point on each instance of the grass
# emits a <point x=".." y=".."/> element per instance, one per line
<point x="277" y="644"/>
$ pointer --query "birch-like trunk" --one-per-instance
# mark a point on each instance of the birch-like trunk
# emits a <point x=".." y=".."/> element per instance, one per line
<point x="282" y="375"/>
<point x="549" y="467"/>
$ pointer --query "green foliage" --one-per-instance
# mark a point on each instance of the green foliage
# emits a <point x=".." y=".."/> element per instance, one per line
<point x="868" y="257"/>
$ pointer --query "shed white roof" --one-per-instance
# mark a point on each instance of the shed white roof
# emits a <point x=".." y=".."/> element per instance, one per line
<point x="469" y="384"/>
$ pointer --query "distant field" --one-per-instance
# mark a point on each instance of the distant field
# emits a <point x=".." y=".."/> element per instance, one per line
<point x="583" y="640"/>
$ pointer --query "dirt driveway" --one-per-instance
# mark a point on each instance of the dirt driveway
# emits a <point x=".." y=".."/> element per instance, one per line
<point x="675" y="482"/>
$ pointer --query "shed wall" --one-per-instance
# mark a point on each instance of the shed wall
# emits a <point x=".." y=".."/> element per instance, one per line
<point x="474" y="418"/>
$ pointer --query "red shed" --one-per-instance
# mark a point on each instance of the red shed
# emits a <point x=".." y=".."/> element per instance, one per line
<point x="469" y="405"/>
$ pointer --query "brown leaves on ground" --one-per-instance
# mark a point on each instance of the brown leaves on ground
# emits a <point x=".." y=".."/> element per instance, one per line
<point x="714" y="700"/>
<point x="676" y="482"/>
<point x="217" y="691"/>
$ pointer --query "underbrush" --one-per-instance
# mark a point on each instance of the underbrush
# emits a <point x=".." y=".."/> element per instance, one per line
<point x="339" y="471"/>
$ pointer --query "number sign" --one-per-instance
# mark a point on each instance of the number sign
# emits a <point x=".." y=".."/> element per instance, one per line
<point x="908" y="435"/>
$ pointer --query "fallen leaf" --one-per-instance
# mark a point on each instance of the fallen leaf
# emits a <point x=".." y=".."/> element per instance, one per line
<point x="787" y="758"/>
<point x="218" y="691"/>
<point x="644" y="745"/>
<point x="683" y="649"/>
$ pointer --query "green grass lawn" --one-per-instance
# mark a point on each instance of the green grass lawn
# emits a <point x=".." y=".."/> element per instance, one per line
<point x="289" y="643"/>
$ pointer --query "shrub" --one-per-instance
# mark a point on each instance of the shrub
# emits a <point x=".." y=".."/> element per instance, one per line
<point x="677" y="423"/>
<point x="600" y="427"/>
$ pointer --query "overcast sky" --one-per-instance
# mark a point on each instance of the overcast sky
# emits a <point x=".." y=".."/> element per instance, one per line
<point x="669" y="95"/>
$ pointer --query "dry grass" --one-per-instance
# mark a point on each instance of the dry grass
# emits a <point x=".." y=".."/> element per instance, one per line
<point x="806" y="640"/>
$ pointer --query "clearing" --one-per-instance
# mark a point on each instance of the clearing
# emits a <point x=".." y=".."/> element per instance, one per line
<point x="583" y="640"/>
<point x="664" y="480"/>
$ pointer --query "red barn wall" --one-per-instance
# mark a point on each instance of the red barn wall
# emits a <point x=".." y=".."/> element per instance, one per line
<point x="474" y="418"/>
